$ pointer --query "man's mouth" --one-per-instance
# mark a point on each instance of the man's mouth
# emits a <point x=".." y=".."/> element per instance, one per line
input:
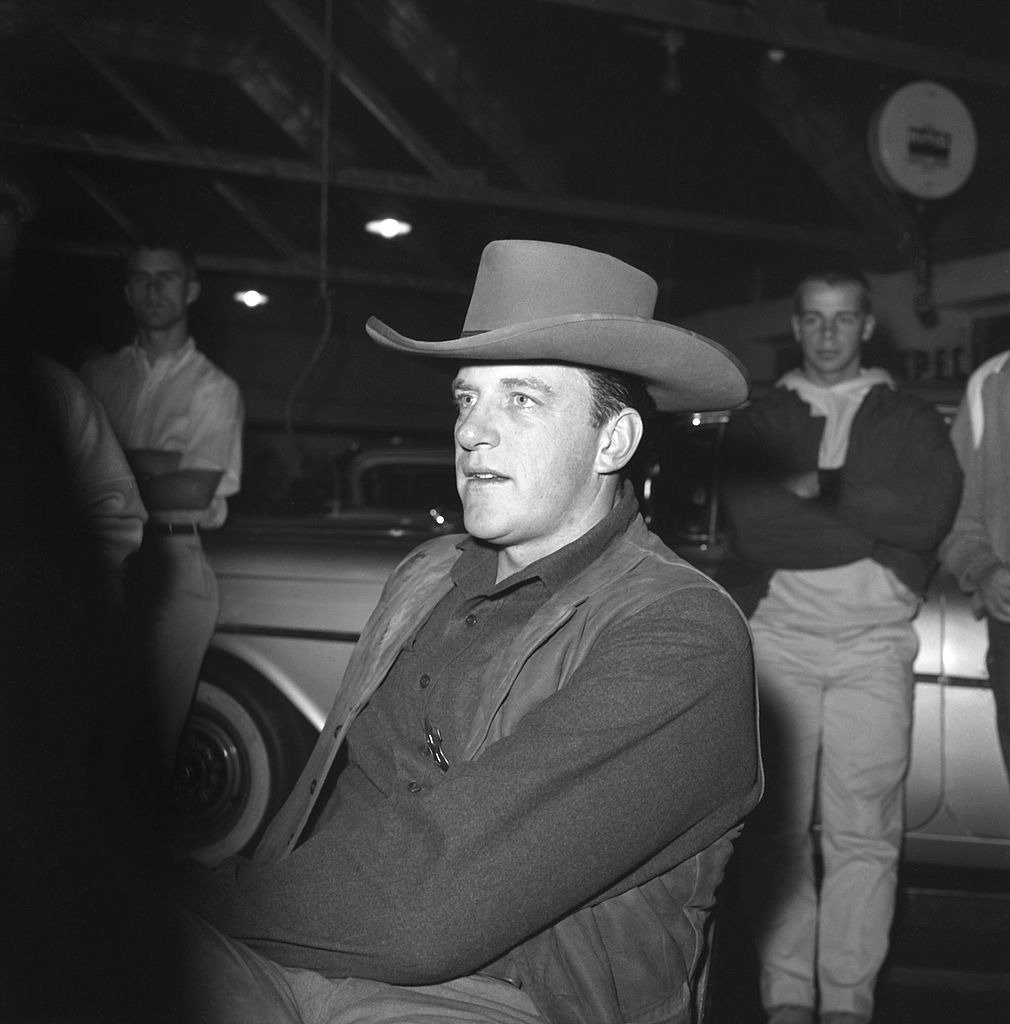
<point x="483" y="476"/>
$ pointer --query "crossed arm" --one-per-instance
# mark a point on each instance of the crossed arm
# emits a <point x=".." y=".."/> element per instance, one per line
<point x="648" y="749"/>
<point x="164" y="486"/>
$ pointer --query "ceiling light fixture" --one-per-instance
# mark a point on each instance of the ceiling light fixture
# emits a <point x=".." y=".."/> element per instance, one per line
<point x="250" y="298"/>
<point x="388" y="227"/>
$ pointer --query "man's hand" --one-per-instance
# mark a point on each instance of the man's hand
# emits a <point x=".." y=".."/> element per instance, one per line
<point x="994" y="589"/>
<point x="803" y="485"/>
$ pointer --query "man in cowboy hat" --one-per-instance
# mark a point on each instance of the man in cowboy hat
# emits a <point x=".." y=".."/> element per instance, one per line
<point x="550" y="721"/>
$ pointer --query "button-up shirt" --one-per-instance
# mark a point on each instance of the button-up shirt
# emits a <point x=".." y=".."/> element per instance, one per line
<point x="433" y="684"/>
<point x="180" y="402"/>
<point x="647" y="738"/>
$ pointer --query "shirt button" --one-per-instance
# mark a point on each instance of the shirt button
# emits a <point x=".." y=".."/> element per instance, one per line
<point x="424" y="680"/>
<point x="414" y="787"/>
<point x="471" y="619"/>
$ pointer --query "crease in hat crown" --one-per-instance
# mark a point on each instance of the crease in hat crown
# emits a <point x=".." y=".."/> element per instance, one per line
<point x="519" y="281"/>
<point x="537" y="301"/>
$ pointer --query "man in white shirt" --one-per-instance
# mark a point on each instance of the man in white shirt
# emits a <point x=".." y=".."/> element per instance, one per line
<point x="179" y="419"/>
<point x="977" y="551"/>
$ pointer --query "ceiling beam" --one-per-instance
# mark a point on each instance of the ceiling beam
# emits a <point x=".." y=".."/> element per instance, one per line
<point x="240" y="204"/>
<point x="105" y="201"/>
<point x="365" y="91"/>
<point x="253" y="73"/>
<point x="296" y="114"/>
<point x="134" y="98"/>
<point x="783" y="25"/>
<point x="440" y="63"/>
<point x="421" y="187"/>
<point x="256" y="219"/>
<point x="304" y="268"/>
<point x="819" y="137"/>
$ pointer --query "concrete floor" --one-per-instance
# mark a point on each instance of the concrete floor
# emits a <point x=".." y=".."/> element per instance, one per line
<point x="949" y="961"/>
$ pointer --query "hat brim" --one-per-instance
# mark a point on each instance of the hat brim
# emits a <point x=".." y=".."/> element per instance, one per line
<point x="684" y="371"/>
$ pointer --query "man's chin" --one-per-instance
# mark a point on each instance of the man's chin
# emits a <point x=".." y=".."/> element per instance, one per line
<point x="480" y="527"/>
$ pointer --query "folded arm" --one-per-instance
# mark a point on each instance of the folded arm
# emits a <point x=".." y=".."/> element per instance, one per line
<point x="650" y="743"/>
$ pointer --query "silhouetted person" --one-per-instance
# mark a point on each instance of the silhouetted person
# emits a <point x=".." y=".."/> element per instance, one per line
<point x="77" y="901"/>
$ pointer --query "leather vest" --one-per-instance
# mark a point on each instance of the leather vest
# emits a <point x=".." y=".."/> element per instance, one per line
<point x="634" y="954"/>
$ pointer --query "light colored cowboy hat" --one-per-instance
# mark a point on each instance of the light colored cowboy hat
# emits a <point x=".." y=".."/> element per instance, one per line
<point x="541" y="301"/>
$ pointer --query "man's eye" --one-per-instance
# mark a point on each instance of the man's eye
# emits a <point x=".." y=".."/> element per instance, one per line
<point x="810" y="320"/>
<point x="847" y="319"/>
<point x="521" y="400"/>
<point x="462" y="400"/>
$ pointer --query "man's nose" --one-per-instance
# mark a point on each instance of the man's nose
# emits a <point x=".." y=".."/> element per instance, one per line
<point x="475" y="427"/>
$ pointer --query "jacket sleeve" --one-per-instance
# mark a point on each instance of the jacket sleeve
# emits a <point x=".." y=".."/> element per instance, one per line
<point x="967" y="551"/>
<point x="649" y="746"/>
<point x="901" y="481"/>
<point x="769" y="525"/>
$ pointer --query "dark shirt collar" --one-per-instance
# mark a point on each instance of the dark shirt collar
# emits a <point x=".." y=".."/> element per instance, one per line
<point x="475" y="570"/>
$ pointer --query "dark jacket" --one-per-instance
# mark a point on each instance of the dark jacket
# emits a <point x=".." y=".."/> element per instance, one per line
<point x="893" y="500"/>
<point x="633" y="953"/>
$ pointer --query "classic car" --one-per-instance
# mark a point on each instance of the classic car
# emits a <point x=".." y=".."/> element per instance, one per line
<point x="297" y="583"/>
<point x="957" y="798"/>
<point x="297" y="590"/>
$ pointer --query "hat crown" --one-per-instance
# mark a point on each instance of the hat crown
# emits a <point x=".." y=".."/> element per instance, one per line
<point x="519" y="280"/>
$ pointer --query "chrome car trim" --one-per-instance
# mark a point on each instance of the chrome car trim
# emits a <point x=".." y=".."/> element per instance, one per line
<point x="326" y="635"/>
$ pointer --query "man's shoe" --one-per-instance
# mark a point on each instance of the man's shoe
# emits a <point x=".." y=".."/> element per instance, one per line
<point x="788" y="1013"/>
<point x="844" y="1017"/>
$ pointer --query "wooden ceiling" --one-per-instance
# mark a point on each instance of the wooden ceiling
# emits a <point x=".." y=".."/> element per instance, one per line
<point x="718" y="144"/>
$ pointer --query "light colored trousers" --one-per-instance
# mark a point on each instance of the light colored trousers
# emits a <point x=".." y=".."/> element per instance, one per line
<point x="836" y="714"/>
<point x="232" y="984"/>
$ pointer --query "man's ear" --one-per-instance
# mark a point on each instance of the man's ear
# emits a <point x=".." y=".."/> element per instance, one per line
<point x="796" y="328"/>
<point x="869" y="325"/>
<point x="619" y="439"/>
<point x="192" y="291"/>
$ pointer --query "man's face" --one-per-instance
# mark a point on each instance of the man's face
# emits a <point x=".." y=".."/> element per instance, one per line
<point x="831" y="328"/>
<point x="527" y="458"/>
<point x="159" y="289"/>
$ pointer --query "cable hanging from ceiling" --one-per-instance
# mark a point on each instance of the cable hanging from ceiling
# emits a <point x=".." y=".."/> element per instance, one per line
<point x="325" y="291"/>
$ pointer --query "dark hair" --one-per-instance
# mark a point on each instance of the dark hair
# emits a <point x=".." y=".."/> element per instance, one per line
<point x="164" y="243"/>
<point x="613" y="391"/>
<point x="836" y="278"/>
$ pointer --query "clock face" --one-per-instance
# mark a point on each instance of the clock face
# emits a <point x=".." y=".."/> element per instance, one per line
<point x="922" y="141"/>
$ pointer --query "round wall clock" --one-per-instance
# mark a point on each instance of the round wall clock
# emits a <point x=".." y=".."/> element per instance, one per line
<point x="922" y="141"/>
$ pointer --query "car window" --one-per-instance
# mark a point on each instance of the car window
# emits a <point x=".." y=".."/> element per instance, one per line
<point x="680" y="487"/>
<point x="322" y="479"/>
